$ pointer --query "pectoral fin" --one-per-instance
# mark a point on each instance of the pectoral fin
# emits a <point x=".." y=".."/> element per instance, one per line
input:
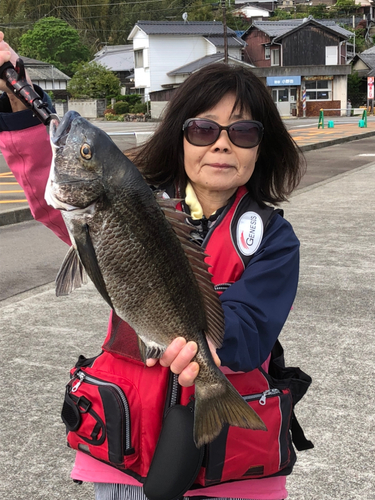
<point x="71" y="275"/>
<point x="81" y="257"/>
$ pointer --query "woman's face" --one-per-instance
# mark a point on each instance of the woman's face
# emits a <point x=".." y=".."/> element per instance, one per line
<point x="221" y="167"/>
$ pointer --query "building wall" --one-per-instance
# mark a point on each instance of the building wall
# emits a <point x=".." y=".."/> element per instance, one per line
<point x="340" y="92"/>
<point x="313" y="108"/>
<point x="51" y="84"/>
<point x="142" y="75"/>
<point x="254" y="51"/>
<point x="306" y="46"/>
<point x="167" y="53"/>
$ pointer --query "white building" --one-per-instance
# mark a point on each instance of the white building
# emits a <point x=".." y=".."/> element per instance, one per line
<point x="160" y="47"/>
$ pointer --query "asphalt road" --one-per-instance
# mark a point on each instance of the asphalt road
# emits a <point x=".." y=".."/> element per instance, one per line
<point x="31" y="254"/>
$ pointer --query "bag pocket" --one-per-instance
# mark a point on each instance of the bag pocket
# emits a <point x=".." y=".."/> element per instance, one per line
<point x="246" y="454"/>
<point x="97" y="416"/>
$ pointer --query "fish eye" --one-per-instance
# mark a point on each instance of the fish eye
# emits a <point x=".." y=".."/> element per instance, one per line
<point x="86" y="152"/>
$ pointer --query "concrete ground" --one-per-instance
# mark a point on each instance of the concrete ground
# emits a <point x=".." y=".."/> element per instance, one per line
<point x="329" y="334"/>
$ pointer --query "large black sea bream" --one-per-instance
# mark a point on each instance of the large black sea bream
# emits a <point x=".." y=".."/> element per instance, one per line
<point x="137" y="252"/>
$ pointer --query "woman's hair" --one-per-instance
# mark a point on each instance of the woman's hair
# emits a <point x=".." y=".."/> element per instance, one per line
<point x="280" y="163"/>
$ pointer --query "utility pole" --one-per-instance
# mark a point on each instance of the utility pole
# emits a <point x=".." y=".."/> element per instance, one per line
<point x="225" y="32"/>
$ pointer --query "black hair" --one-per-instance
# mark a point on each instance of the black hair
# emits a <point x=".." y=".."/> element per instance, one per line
<point x="280" y="164"/>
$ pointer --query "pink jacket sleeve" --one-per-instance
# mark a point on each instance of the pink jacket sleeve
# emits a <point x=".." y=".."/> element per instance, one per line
<point x="28" y="155"/>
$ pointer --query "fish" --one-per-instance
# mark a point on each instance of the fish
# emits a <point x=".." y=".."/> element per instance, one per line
<point x="137" y="249"/>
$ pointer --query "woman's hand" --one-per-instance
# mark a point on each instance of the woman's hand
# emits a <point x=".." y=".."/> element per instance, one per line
<point x="178" y="356"/>
<point x="8" y="54"/>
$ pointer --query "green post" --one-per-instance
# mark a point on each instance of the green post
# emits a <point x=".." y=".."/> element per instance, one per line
<point x="321" y="119"/>
<point x="364" y="117"/>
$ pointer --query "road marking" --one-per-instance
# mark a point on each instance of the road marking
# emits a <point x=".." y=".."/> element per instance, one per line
<point x="13" y="191"/>
<point x="13" y="201"/>
<point x="368" y="154"/>
<point x="8" y="183"/>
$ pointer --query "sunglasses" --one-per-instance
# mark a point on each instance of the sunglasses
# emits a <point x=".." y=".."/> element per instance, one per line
<point x="203" y="132"/>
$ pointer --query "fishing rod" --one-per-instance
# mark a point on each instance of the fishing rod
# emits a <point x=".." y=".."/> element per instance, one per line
<point x="15" y="78"/>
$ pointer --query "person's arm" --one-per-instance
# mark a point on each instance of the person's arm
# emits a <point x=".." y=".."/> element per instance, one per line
<point x="25" y="145"/>
<point x="257" y="306"/>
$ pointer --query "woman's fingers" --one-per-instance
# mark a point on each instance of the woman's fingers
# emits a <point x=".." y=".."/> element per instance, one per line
<point x="179" y="355"/>
<point x="213" y="352"/>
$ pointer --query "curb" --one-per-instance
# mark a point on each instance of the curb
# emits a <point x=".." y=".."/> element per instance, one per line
<point x="14" y="216"/>
<point x="339" y="140"/>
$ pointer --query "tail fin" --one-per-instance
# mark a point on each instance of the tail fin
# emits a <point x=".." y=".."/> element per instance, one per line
<point x="225" y="406"/>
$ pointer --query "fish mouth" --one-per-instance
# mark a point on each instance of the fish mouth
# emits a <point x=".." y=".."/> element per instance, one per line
<point x="59" y="129"/>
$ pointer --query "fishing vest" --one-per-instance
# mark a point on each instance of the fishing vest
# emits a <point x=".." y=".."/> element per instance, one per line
<point x="116" y="409"/>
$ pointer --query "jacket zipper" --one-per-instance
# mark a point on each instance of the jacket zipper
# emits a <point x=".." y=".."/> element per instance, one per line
<point x="83" y="377"/>
<point x="262" y="396"/>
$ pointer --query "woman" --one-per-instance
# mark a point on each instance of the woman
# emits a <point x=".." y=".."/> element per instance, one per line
<point x="220" y="139"/>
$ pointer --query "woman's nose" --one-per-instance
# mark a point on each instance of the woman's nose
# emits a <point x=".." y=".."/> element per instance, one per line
<point x="223" y="142"/>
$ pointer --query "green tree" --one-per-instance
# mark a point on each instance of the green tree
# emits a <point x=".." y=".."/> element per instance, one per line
<point x="345" y="6"/>
<point x="54" y="41"/>
<point x="94" y="81"/>
<point x="356" y="95"/>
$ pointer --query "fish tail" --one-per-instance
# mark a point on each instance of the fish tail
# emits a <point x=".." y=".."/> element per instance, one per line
<point x="213" y="409"/>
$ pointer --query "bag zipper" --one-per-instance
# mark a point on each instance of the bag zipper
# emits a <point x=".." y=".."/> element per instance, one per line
<point x="83" y="377"/>
<point x="262" y="396"/>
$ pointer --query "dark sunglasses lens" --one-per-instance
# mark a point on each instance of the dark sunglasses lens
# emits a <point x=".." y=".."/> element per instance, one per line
<point x="202" y="132"/>
<point x="244" y="134"/>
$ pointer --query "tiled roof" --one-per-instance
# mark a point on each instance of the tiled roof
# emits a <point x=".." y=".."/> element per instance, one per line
<point x="116" y="57"/>
<point x="368" y="59"/>
<point x="205" y="28"/>
<point x="369" y="51"/>
<point x="218" y="41"/>
<point x="39" y="70"/>
<point x="203" y="61"/>
<point x="279" y="28"/>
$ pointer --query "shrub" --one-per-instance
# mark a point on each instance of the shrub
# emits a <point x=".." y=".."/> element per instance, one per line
<point x="139" y="108"/>
<point x="121" y="107"/>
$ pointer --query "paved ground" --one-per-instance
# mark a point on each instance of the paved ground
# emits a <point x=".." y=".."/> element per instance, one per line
<point x="330" y="334"/>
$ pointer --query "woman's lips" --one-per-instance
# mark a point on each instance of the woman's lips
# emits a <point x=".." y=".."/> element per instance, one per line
<point x="220" y="165"/>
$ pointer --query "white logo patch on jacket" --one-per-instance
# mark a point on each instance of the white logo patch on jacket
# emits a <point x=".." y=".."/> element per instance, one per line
<point x="249" y="233"/>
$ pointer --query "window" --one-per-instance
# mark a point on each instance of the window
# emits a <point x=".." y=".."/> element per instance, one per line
<point x="275" y="57"/>
<point x="319" y="90"/>
<point x="267" y="53"/>
<point x="138" y="58"/>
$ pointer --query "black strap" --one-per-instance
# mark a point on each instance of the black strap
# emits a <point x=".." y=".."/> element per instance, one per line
<point x="298" y="436"/>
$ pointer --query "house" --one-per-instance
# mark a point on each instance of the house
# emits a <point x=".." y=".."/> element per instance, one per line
<point x="269" y="5"/>
<point x="161" y="47"/>
<point x="120" y="60"/>
<point x="251" y="12"/>
<point x="364" y="63"/>
<point x="303" y="61"/>
<point x="48" y="77"/>
<point x="160" y="98"/>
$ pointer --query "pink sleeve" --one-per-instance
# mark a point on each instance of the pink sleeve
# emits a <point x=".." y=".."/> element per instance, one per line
<point x="28" y="155"/>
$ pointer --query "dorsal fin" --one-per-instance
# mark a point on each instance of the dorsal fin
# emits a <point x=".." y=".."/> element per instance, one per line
<point x="196" y="256"/>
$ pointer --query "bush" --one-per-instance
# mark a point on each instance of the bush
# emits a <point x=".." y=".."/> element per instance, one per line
<point x="130" y="98"/>
<point x="138" y="108"/>
<point x="121" y="107"/>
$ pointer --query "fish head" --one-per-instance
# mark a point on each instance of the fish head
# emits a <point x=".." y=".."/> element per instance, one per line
<point x="76" y="179"/>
